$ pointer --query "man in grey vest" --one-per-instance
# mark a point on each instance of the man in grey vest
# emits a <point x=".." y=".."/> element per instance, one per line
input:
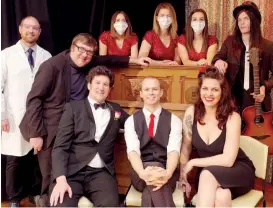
<point x="153" y="138"/>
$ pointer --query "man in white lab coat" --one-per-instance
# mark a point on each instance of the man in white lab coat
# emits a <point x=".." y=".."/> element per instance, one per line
<point x="19" y="64"/>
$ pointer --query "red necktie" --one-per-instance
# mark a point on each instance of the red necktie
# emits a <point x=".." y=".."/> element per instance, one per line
<point x="151" y="125"/>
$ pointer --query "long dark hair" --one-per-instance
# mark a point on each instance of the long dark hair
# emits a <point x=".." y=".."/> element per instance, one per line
<point x="129" y="30"/>
<point x="225" y="106"/>
<point x="190" y="33"/>
<point x="255" y="30"/>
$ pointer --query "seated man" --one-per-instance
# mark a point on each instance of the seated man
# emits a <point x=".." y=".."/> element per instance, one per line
<point x="153" y="138"/>
<point x="83" y="152"/>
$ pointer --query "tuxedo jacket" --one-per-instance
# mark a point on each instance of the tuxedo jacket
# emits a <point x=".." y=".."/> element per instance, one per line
<point x="75" y="145"/>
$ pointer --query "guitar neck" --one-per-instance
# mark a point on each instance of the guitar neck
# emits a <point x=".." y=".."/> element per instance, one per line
<point x="258" y="107"/>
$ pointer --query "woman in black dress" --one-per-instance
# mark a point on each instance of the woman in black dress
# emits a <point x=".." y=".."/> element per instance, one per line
<point x="213" y="127"/>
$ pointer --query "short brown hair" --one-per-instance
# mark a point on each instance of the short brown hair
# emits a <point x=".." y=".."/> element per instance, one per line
<point x="101" y="70"/>
<point x="30" y="17"/>
<point x="129" y="30"/>
<point x="86" y="39"/>
<point x="173" y="27"/>
<point x="151" y="77"/>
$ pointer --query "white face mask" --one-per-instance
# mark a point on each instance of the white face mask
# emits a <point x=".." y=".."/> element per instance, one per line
<point x="120" y="27"/>
<point x="198" y="26"/>
<point x="164" y="22"/>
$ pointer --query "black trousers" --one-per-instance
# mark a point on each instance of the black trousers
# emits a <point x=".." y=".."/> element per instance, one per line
<point x="97" y="184"/>
<point x="23" y="176"/>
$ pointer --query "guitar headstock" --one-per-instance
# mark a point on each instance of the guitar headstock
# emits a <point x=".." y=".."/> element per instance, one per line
<point x="254" y="56"/>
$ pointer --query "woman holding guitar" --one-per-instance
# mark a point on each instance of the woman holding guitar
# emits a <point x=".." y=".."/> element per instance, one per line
<point x="248" y="74"/>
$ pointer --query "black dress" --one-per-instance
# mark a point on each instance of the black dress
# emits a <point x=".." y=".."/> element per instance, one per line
<point x="239" y="178"/>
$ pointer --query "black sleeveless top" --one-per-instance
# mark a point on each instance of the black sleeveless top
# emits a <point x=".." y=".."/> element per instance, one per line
<point x="216" y="147"/>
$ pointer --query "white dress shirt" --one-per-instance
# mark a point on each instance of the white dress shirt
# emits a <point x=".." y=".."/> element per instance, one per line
<point x="34" y="48"/>
<point x="246" y="74"/>
<point x="131" y="137"/>
<point x="101" y="117"/>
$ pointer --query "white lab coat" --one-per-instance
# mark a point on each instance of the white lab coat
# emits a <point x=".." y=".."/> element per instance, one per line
<point x="16" y="81"/>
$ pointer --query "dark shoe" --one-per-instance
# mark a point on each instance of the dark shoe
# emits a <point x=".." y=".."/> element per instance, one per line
<point x="42" y="201"/>
<point x="33" y="199"/>
<point x="14" y="204"/>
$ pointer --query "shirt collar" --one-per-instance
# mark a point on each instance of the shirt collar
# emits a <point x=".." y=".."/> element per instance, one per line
<point x="156" y="113"/>
<point x="91" y="101"/>
<point x="26" y="47"/>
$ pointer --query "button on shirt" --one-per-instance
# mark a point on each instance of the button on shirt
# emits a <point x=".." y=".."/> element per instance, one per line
<point x="131" y="137"/>
<point x="102" y="118"/>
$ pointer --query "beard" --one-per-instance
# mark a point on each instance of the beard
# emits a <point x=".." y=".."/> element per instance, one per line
<point x="28" y="38"/>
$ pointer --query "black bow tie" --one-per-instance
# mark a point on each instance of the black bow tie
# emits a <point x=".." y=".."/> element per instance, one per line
<point x="100" y="105"/>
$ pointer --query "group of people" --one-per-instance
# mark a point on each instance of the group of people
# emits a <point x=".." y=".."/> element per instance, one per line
<point x="162" y="44"/>
<point x="57" y="107"/>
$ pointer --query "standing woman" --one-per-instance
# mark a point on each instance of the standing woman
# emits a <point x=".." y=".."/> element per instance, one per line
<point x="120" y="40"/>
<point x="197" y="47"/>
<point x="160" y="43"/>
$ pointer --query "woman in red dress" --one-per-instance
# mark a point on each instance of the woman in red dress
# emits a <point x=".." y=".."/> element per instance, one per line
<point x="160" y="44"/>
<point x="120" y="40"/>
<point x="197" y="47"/>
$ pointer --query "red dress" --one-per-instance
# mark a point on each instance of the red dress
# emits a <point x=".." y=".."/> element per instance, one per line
<point x="158" y="50"/>
<point x="193" y="55"/>
<point x="112" y="48"/>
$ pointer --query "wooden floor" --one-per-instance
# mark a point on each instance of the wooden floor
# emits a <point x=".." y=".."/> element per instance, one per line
<point x="258" y="186"/>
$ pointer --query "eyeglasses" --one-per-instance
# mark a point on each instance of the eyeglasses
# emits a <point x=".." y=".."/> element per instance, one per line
<point x="82" y="50"/>
<point x="35" y="28"/>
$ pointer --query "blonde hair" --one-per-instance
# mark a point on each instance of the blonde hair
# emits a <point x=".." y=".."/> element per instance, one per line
<point x="172" y="30"/>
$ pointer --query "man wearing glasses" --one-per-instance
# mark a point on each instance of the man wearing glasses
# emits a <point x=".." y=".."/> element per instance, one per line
<point x="60" y="80"/>
<point x="19" y="64"/>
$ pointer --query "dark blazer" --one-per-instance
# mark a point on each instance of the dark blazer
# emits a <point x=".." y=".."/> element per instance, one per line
<point x="231" y="52"/>
<point x="51" y="91"/>
<point x="75" y="145"/>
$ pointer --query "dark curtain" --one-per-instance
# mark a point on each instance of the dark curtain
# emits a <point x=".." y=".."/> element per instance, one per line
<point x="12" y="12"/>
<point x="61" y="20"/>
<point x="68" y="18"/>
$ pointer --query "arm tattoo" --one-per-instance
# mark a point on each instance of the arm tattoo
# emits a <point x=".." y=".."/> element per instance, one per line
<point x="188" y="125"/>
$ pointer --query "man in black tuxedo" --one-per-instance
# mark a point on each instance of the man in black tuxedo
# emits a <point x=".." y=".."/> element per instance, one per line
<point x="83" y="152"/>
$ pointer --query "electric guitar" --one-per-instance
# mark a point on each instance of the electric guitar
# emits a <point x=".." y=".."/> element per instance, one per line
<point x="258" y="123"/>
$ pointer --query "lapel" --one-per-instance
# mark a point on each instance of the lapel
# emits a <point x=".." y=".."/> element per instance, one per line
<point x="112" y="112"/>
<point x="146" y="137"/>
<point x="161" y="122"/>
<point x="21" y="52"/>
<point x="67" y="77"/>
<point x="91" y="119"/>
<point x="237" y="52"/>
<point x="38" y="55"/>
